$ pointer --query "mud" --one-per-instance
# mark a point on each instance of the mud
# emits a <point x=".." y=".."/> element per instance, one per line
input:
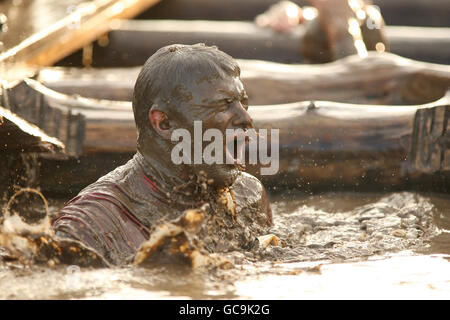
<point x="324" y="242"/>
<point x="391" y="223"/>
<point x="325" y="231"/>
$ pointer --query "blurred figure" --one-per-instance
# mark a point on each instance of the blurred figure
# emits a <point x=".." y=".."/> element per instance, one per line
<point x="334" y="28"/>
<point x="282" y="17"/>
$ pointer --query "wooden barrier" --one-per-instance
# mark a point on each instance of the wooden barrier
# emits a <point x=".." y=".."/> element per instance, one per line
<point x="322" y="144"/>
<point x="395" y="12"/>
<point x="129" y="42"/>
<point x="377" y="79"/>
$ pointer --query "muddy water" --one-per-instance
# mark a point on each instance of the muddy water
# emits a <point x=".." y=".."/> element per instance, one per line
<point x="336" y="245"/>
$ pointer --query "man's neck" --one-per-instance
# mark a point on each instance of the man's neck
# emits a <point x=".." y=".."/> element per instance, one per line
<point x="176" y="182"/>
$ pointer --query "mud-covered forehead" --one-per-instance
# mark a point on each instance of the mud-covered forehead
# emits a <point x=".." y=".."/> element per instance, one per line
<point x="176" y="66"/>
<point x="188" y="68"/>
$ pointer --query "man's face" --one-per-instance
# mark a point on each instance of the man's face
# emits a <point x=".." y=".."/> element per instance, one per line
<point x="220" y="104"/>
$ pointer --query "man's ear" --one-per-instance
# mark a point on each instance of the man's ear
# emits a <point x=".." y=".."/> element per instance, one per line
<point x="160" y="123"/>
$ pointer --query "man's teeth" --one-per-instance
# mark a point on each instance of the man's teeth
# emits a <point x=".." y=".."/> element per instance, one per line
<point x="234" y="151"/>
<point x="237" y="143"/>
<point x="229" y="158"/>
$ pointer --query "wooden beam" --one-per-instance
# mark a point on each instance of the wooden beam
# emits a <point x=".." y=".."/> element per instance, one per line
<point x="18" y="135"/>
<point x="335" y="144"/>
<point x="20" y="141"/>
<point x="210" y="9"/>
<point x="322" y="144"/>
<point x="69" y="31"/>
<point x="129" y="46"/>
<point x="415" y="12"/>
<point x="399" y="12"/>
<point x="43" y="109"/>
<point x="243" y="40"/>
<point x="377" y="79"/>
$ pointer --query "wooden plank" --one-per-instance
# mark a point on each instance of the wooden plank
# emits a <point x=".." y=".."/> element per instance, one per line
<point x="128" y="45"/>
<point x="67" y="32"/>
<point x="377" y="79"/>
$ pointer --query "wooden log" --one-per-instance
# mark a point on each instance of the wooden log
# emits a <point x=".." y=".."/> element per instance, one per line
<point x="128" y="45"/>
<point x="377" y="79"/>
<point x="337" y="145"/>
<point x="242" y="40"/>
<point x="322" y="144"/>
<point x="19" y="143"/>
<point x="31" y="41"/>
<point x="416" y="43"/>
<point x="415" y="12"/>
<point x="399" y="12"/>
<point x="210" y="9"/>
<point x="18" y="135"/>
<point x="38" y="108"/>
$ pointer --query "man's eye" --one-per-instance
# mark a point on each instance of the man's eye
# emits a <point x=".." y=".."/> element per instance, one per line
<point x="225" y="104"/>
<point x="244" y="102"/>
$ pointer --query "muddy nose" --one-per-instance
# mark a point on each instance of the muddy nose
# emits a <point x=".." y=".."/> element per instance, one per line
<point x="241" y="119"/>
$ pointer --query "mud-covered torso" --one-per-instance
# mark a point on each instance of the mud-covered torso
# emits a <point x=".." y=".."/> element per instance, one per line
<point x="118" y="212"/>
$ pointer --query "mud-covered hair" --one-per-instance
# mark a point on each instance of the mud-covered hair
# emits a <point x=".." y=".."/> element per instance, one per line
<point x="171" y="67"/>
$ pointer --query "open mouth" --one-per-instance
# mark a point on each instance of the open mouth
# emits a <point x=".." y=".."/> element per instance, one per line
<point x="235" y="146"/>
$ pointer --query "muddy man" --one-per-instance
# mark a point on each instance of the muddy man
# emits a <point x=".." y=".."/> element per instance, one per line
<point x="178" y="85"/>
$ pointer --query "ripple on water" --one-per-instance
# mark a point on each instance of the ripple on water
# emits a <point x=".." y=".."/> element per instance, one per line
<point x="358" y="225"/>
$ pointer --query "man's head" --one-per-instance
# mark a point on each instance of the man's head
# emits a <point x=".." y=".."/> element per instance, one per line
<point x="181" y="84"/>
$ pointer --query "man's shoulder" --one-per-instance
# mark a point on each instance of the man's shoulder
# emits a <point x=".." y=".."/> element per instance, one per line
<point x="102" y="217"/>
<point x="110" y="197"/>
